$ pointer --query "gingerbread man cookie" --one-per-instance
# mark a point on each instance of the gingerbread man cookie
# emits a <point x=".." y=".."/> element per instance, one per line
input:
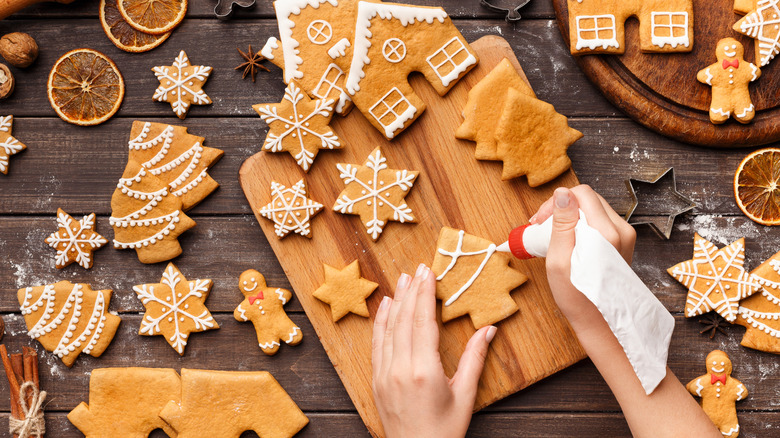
<point x="729" y="78"/>
<point x="719" y="392"/>
<point x="263" y="306"/>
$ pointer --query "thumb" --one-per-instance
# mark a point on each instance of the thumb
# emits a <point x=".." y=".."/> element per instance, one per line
<point x="466" y="379"/>
<point x="566" y="214"/>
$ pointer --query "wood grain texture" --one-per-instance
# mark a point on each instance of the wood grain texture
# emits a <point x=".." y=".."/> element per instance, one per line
<point x="661" y="92"/>
<point x="454" y="190"/>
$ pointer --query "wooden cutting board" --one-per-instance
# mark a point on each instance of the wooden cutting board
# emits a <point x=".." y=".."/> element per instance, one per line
<point x="661" y="92"/>
<point x="453" y="189"/>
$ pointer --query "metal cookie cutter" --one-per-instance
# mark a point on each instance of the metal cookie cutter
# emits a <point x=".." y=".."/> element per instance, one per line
<point x="657" y="202"/>
<point x="511" y="7"/>
<point x="224" y="8"/>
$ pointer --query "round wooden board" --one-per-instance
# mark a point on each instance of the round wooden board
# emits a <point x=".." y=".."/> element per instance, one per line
<point x="661" y="92"/>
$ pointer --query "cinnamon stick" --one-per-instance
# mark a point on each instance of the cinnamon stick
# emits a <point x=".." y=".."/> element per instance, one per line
<point x="13" y="383"/>
<point x="20" y="368"/>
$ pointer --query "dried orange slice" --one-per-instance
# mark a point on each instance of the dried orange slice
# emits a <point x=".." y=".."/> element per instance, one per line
<point x="153" y="16"/>
<point x="85" y="87"/>
<point x="757" y="186"/>
<point x="122" y="34"/>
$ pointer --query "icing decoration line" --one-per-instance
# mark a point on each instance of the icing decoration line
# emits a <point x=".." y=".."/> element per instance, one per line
<point x="457" y="253"/>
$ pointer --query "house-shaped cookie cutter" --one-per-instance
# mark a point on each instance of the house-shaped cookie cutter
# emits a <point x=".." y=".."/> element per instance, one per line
<point x="656" y="202"/>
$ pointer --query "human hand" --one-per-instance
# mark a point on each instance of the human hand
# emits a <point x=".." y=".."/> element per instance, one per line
<point x="564" y="206"/>
<point x="413" y="395"/>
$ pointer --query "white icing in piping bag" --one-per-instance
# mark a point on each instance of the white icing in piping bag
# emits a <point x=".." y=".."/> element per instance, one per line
<point x="639" y="321"/>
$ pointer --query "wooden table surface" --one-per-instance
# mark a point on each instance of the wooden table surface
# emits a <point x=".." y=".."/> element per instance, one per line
<point x="77" y="168"/>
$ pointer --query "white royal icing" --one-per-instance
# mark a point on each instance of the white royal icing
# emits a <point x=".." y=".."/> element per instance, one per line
<point x="746" y="111"/>
<point x="339" y="49"/>
<point x="668" y="26"/>
<point x="596" y="41"/>
<point x="292" y="334"/>
<point x="75" y="241"/>
<point x="284" y="10"/>
<point x="280" y="294"/>
<point x="11" y="145"/>
<point x="384" y="107"/>
<point x="270" y="45"/>
<point x="457" y="69"/>
<point x="762" y="24"/>
<point x="699" y="387"/>
<point x="720" y="111"/>
<point x="457" y="253"/>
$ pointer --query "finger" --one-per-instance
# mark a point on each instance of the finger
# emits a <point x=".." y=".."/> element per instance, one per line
<point x="544" y="212"/>
<point x="425" y="332"/>
<point x="565" y="218"/>
<point x="624" y="229"/>
<point x="466" y="379"/>
<point x="404" y="320"/>
<point x="387" y="344"/>
<point x="595" y="214"/>
<point x="377" y="341"/>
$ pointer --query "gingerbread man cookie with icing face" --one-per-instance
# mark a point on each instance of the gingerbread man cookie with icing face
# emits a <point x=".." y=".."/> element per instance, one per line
<point x="729" y="79"/>
<point x="263" y="306"/>
<point x="719" y="392"/>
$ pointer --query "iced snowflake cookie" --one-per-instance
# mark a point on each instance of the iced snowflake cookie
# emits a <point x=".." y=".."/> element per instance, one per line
<point x="298" y="125"/>
<point x="8" y="144"/>
<point x="719" y="393"/>
<point x="146" y="216"/>
<point x="181" y="84"/>
<point x="223" y="404"/>
<point x="598" y="26"/>
<point x="391" y="41"/>
<point x="290" y="209"/>
<point x="760" y="313"/>
<point x="264" y="306"/>
<point x="715" y="278"/>
<point x="177" y="158"/>
<point x="127" y="400"/>
<point x="345" y="291"/>
<point x="533" y="139"/>
<point x="761" y="23"/>
<point x="375" y="192"/>
<point x="729" y="79"/>
<point x="175" y="308"/>
<point x="473" y="279"/>
<point x="75" y="240"/>
<point x="69" y="319"/>
<point x="485" y="106"/>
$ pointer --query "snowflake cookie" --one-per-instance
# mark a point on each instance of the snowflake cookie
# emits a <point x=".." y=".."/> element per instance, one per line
<point x="263" y="305"/>
<point x="474" y="279"/>
<point x="719" y="392"/>
<point x="375" y="192"/>
<point x="715" y="278"/>
<point x="175" y="308"/>
<point x="181" y="83"/>
<point x="8" y="144"/>
<point x="760" y="313"/>
<point x="761" y="23"/>
<point x="69" y="319"/>
<point x="290" y="209"/>
<point x="298" y="125"/>
<point x="75" y="241"/>
<point x="345" y="291"/>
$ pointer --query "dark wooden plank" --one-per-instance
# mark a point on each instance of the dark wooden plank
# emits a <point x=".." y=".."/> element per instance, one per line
<point x="457" y="9"/>
<point x="537" y="43"/>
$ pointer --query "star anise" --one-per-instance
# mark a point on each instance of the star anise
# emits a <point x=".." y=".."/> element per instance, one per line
<point x="252" y="64"/>
<point x="712" y="323"/>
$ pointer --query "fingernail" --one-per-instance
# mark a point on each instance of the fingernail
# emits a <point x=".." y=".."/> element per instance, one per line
<point x="403" y="281"/>
<point x="421" y="270"/>
<point x="385" y="302"/>
<point x="532" y="220"/>
<point x="561" y="199"/>
<point x="491" y="333"/>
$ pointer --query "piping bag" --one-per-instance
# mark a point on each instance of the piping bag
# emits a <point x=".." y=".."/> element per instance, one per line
<point x="639" y="321"/>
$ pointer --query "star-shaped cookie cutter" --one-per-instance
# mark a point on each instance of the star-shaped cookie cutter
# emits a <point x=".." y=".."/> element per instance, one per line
<point x="657" y="202"/>
<point x="224" y="8"/>
<point x="512" y="12"/>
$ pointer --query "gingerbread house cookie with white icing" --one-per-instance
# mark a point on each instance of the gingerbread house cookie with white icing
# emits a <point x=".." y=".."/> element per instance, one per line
<point x="598" y="26"/>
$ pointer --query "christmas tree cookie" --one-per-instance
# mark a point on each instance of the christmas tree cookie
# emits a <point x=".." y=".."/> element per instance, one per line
<point x="175" y="308"/>
<point x="715" y="278"/>
<point x="264" y="306"/>
<point x="345" y="291"/>
<point x="75" y="240"/>
<point x="8" y="144"/>
<point x="760" y="313"/>
<point x="473" y="279"/>
<point x="181" y="84"/>
<point x="69" y="319"/>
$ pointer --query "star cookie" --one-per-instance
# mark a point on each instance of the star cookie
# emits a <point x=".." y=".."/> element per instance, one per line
<point x="8" y="144"/>
<point x="375" y="192"/>
<point x="533" y="139"/>
<point x="298" y="125"/>
<point x="473" y="279"/>
<point x="760" y="313"/>
<point x="761" y="23"/>
<point x="75" y="241"/>
<point x="715" y="278"/>
<point x="290" y="209"/>
<point x="263" y="306"/>
<point x="175" y="308"/>
<point x="345" y="291"/>
<point x="181" y="83"/>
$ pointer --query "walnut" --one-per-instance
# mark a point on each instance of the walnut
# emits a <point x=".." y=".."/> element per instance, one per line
<point x="19" y="49"/>
<point x="6" y="81"/>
